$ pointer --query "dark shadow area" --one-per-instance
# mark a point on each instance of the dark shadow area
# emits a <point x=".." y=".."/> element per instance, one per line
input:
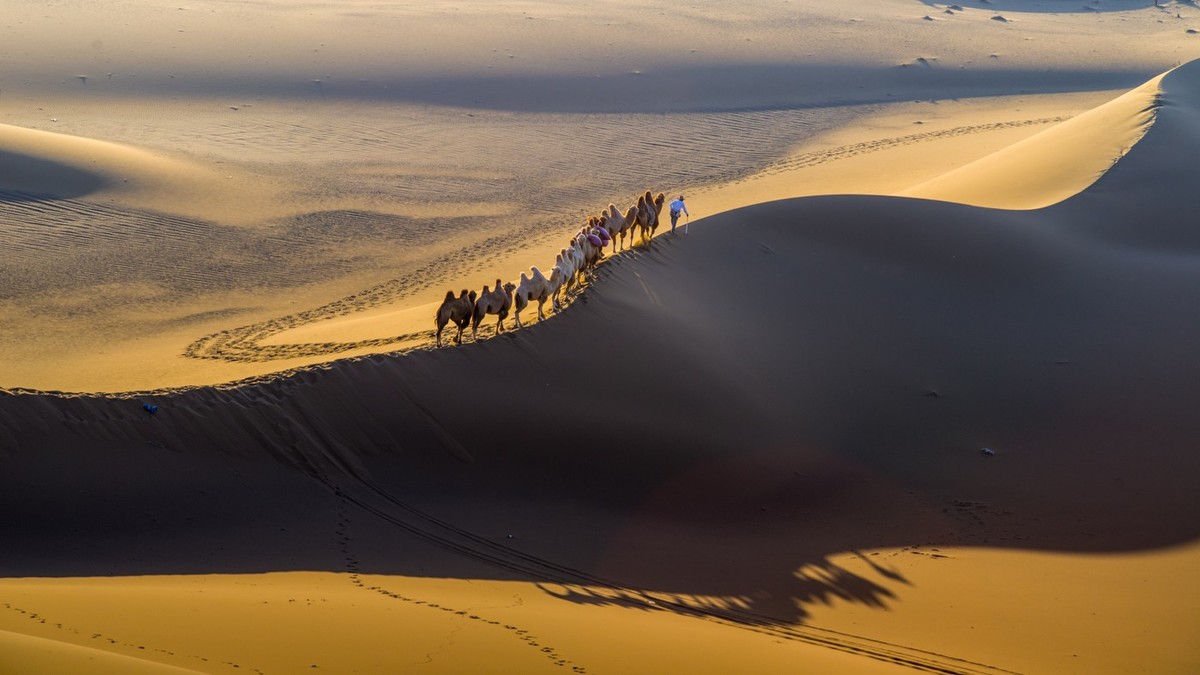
<point x="34" y="179"/>
<point x="706" y="87"/>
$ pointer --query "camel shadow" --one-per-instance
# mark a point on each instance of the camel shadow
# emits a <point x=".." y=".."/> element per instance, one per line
<point x="821" y="582"/>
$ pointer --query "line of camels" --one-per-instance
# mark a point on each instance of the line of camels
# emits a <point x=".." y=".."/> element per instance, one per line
<point x="577" y="260"/>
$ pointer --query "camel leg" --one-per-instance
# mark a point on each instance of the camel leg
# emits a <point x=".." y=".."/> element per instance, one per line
<point x="541" y="316"/>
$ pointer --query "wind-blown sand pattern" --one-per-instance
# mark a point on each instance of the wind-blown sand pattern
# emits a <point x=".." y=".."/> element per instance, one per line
<point x="914" y="393"/>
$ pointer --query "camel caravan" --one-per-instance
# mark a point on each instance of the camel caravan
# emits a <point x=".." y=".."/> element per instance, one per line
<point x="573" y="264"/>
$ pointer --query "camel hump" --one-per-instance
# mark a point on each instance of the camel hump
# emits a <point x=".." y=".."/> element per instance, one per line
<point x="449" y="295"/>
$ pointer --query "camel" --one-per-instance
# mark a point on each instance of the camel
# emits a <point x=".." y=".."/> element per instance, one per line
<point x="564" y="270"/>
<point x="567" y="264"/>
<point x="590" y="249"/>
<point x="617" y="224"/>
<point x="497" y="302"/>
<point x="649" y="208"/>
<point x="537" y="287"/>
<point x="454" y="309"/>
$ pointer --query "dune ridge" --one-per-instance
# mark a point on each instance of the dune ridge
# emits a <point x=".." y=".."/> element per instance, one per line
<point x="1055" y="163"/>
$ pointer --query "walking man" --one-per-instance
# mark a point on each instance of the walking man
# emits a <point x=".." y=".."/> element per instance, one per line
<point x="678" y="207"/>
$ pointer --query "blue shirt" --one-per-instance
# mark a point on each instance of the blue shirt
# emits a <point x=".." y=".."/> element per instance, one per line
<point x="677" y="205"/>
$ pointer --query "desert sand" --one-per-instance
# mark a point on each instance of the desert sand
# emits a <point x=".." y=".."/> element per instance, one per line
<point x="914" y="392"/>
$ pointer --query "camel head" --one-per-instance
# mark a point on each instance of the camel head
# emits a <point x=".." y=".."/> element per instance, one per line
<point x="472" y="296"/>
<point x="509" y="288"/>
<point x="658" y="201"/>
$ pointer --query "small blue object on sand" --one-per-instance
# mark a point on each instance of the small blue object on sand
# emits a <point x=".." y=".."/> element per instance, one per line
<point x="150" y="408"/>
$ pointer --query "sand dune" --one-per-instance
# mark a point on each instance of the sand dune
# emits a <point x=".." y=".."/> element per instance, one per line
<point x="915" y="392"/>
<point x="41" y="164"/>
<point x="705" y="434"/>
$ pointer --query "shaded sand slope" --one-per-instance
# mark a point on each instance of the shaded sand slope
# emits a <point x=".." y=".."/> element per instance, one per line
<point x="786" y="369"/>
